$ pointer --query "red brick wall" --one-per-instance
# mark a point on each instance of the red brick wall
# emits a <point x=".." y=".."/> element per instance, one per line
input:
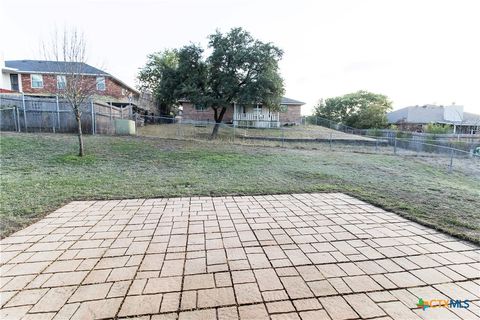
<point x="49" y="84"/>
<point x="189" y="112"/>
<point x="112" y="88"/>
<point x="292" y="115"/>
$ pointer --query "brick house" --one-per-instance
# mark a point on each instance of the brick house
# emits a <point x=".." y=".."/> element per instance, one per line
<point x="251" y="116"/>
<point x="44" y="78"/>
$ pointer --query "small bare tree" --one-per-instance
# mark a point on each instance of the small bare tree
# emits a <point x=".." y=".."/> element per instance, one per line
<point x="67" y="54"/>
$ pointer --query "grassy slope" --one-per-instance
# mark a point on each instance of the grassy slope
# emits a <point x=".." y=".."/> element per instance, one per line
<point x="296" y="132"/>
<point x="40" y="173"/>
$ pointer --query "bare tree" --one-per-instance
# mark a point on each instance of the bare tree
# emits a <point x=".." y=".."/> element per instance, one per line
<point x="67" y="54"/>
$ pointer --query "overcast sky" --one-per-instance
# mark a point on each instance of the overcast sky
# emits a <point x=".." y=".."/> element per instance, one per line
<point x="415" y="52"/>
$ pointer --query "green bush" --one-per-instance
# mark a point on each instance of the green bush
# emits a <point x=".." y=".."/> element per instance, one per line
<point x="311" y="119"/>
<point x="374" y="133"/>
<point x="437" y="128"/>
<point x="404" y="135"/>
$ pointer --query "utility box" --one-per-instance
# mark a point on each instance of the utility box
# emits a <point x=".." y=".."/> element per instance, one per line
<point x="124" y="127"/>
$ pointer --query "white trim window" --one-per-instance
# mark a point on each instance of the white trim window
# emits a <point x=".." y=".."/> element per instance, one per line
<point x="61" y="82"/>
<point x="101" y="85"/>
<point x="200" y="107"/>
<point x="257" y="109"/>
<point x="36" y="81"/>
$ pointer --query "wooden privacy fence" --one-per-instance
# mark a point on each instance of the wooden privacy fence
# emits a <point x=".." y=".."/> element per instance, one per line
<point x="46" y="114"/>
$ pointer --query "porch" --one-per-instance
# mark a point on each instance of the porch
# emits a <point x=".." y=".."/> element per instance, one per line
<point x="255" y="117"/>
<point x="256" y="120"/>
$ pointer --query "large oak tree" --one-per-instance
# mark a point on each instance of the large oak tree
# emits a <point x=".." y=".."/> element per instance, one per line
<point x="239" y="69"/>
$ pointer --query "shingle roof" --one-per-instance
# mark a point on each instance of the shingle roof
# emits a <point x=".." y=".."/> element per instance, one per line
<point x="433" y="114"/>
<point x="42" y="66"/>
<point x="471" y="118"/>
<point x="286" y="100"/>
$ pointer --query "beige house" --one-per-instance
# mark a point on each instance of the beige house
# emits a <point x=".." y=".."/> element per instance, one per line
<point x="415" y="118"/>
<point x="248" y="115"/>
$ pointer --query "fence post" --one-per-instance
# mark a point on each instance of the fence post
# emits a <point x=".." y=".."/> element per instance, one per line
<point x="93" y="117"/>
<point x="376" y="145"/>
<point x="178" y="129"/>
<point x="18" y="119"/>
<point x="330" y="141"/>
<point x="53" y="121"/>
<point x="450" y="166"/>
<point x="14" y="110"/>
<point x="58" y="113"/>
<point x="24" y="112"/>
<point x="395" y="144"/>
<point x="283" y="136"/>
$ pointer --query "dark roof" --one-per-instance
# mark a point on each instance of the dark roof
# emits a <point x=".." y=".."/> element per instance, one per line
<point x="286" y="100"/>
<point x="42" y="66"/>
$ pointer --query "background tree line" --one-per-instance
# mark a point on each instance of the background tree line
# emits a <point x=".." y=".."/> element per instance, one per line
<point x="361" y="109"/>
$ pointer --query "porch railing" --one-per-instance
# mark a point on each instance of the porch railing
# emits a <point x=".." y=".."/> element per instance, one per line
<point x="258" y="120"/>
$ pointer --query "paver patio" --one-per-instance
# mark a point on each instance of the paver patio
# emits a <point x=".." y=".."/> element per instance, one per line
<point x="299" y="256"/>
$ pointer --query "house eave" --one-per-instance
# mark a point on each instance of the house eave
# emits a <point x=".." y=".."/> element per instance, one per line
<point x="9" y="70"/>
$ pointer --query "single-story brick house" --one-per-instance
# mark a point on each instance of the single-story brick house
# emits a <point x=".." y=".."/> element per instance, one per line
<point x="45" y="78"/>
<point x="251" y="115"/>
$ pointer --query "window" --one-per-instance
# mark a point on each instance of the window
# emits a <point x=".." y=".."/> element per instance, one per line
<point x="101" y="83"/>
<point x="200" y="107"/>
<point x="283" y="108"/>
<point x="36" y="81"/>
<point x="61" y="82"/>
<point x="14" y="82"/>
<point x="257" y="109"/>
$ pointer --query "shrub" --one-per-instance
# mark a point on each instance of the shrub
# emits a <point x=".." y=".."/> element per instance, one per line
<point x="311" y="119"/>
<point x="375" y="133"/>
<point x="404" y="135"/>
<point x="437" y="128"/>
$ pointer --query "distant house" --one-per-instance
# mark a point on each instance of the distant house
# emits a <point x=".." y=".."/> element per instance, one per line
<point x="44" y="78"/>
<point x="248" y="115"/>
<point x="414" y="118"/>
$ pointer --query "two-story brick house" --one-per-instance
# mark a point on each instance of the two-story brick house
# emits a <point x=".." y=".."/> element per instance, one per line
<point x="45" y="78"/>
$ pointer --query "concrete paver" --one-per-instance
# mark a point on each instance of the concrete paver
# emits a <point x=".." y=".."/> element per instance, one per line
<point x="297" y="256"/>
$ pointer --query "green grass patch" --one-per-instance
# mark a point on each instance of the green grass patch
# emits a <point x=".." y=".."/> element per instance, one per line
<point x="74" y="159"/>
<point x="40" y="173"/>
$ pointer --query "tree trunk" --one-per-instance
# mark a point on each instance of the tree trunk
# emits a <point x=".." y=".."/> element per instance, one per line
<point x="81" y="151"/>
<point x="218" y="121"/>
<point x="215" y="130"/>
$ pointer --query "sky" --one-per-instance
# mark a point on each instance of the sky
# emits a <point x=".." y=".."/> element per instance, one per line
<point x="415" y="52"/>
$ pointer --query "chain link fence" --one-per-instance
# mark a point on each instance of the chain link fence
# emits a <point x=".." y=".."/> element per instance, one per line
<point x="46" y="114"/>
<point x="464" y="142"/>
<point x="34" y="114"/>
<point x="465" y="155"/>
